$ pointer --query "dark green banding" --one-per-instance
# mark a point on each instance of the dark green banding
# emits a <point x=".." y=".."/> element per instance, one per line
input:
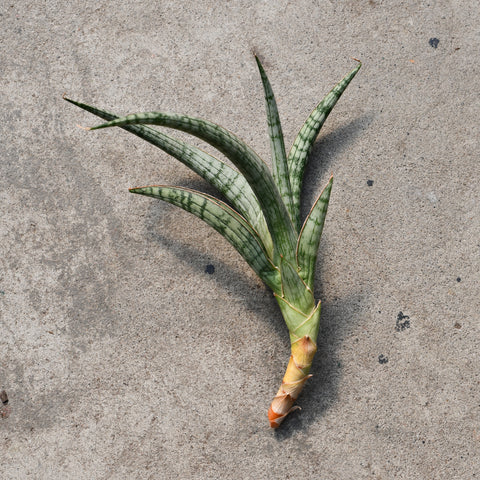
<point x="227" y="180"/>
<point x="277" y="144"/>
<point x="229" y="223"/>
<point x="309" y="239"/>
<point x="244" y="158"/>
<point x="298" y="155"/>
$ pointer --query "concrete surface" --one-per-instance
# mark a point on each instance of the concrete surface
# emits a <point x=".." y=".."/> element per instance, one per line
<point x="123" y="358"/>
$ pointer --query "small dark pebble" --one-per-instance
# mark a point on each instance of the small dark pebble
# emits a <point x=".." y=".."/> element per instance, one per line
<point x="210" y="269"/>
<point x="458" y="326"/>
<point x="382" y="359"/>
<point x="4" y="397"/>
<point x="403" y="322"/>
<point x="434" y="42"/>
<point x="369" y="183"/>
<point x="459" y="279"/>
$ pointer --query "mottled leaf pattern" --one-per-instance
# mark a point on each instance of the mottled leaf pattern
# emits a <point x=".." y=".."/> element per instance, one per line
<point x="268" y="235"/>
<point x="298" y="155"/>
<point x="265" y="225"/>
<point x="224" y="220"/>
<point x="277" y="144"/>
<point x="243" y="157"/>
<point x="309" y="239"/>
<point x="227" y="180"/>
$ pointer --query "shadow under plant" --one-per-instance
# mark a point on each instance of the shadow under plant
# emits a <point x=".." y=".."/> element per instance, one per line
<point x="264" y="222"/>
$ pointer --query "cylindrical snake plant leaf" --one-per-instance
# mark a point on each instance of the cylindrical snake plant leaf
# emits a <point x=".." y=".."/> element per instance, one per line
<point x="309" y="239"/>
<point x="277" y="144"/>
<point x="224" y="220"/>
<point x="303" y="143"/>
<point x="243" y="157"/>
<point x="225" y="179"/>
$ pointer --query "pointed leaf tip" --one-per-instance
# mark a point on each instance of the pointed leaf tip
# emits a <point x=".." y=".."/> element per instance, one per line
<point x="227" y="180"/>
<point x="298" y="155"/>
<point x="277" y="145"/>
<point x="253" y="168"/>
<point x="309" y="239"/>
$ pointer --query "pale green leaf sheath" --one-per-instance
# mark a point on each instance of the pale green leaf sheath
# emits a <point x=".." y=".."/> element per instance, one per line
<point x="264" y="223"/>
<point x="224" y="178"/>
<point x="243" y="157"/>
<point x="303" y="143"/>
<point x="294" y="289"/>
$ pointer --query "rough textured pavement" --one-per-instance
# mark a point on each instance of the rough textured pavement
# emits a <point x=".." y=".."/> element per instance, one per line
<point x="135" y="343"/>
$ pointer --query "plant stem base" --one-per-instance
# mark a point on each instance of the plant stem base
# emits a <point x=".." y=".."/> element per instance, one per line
<point x="302" y="352"/>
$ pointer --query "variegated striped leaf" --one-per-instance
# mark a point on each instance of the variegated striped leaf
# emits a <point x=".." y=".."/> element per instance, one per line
<point x="277" y="144"/>
<point x="309" y="239"/>
<point x="244" y="158"/>
<point x="224" y="220"/>
<point x="224" y="178"/>
<point x="298" y="155"/>
<point x="294" y="289"/>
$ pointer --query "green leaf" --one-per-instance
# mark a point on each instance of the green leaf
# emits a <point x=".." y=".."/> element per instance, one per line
<point x="298" y="155"/>
<point x="298" y="323"/>
<point x="227" y="180"/>
<point x="309" y="239"/>
<point x="244" y="158"/>
<point x="224" y="220"/>
<point x="294" y="289"/>
<point x="277" y="144"/>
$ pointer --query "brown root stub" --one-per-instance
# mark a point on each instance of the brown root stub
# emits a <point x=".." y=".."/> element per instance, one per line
<point x="303" y="351"/>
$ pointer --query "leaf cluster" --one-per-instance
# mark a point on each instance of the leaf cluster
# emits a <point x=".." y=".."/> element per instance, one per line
<point x="261" y="215"/>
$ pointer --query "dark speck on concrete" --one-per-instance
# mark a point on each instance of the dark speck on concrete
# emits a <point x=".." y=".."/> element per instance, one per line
<point x="459" y="279"/>
<point x="369" y="183"/>
<point x="210" y="269"/>
<point x="4" y="397"/>
<point x="382" y="359"/>
<point x="403" y="322"/>
<point x="434" y="42"/>
<point x="458" y="326"/>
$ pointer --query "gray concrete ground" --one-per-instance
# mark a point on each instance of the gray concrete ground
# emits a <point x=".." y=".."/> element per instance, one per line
<point x="123" y="358"/>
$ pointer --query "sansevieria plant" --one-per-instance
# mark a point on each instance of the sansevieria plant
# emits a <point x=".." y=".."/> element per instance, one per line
<point x="261" y="215"/>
